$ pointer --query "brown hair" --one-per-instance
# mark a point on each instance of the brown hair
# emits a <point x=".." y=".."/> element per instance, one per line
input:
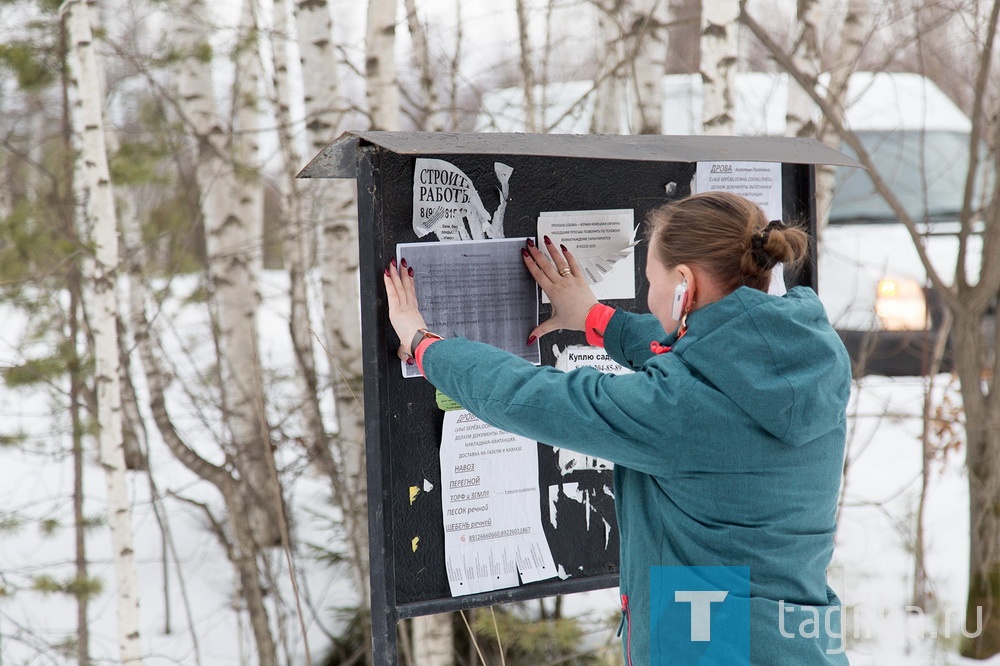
<point x="726" y="235"/>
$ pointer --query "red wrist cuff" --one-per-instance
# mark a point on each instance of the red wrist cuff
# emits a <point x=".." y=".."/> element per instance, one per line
<point x="418" y="353"/>
<point x="597" y="320"/>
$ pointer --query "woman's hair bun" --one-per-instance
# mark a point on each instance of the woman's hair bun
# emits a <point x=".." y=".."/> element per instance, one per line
<point x="773" y="244"/>
<point x="726" y="235"/>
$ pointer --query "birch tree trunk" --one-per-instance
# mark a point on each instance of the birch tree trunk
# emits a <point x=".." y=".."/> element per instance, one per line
<point x="297" y="240"/>
<point x="683" y="37"/>
<point x="431" y="117"/>
<point x="977" y="360"/>
<point x="719" y="54"/>
<point x="609" y="82"/>
<point x="295" y="236"/>
<point x="380" y="65"/>
<point x="527" y="68"/>
<point x="648" y="27"/>
<point x="232" y="244"/>
<point x="333" y="208"/>
<point x="71" y="143"/>
<point x="433" y="640"/>
<point x="805" y="55"/>
<point x="101" y="222"/>
<point x="851" y="42"/>
<point x="981" y="403"/>
<point x="799" y="116"/>
<point x="253" y="500"/>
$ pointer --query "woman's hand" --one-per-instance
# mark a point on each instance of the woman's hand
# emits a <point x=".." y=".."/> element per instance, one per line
<point x="562" y="280"/>
<point x="404" y="314"/>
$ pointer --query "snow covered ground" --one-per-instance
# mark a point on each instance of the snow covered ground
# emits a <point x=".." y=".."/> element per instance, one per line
<point x="872" y="571"/>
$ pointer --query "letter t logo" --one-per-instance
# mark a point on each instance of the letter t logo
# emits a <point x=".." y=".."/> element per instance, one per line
<point x="701" y="610"/>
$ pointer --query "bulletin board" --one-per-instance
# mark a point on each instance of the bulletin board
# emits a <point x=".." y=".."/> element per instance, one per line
<point x="543" y="174"/>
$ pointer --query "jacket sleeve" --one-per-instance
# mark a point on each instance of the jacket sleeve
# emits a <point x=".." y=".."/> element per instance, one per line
<point x="632" y="420"/>
<point x="627" y="337"/>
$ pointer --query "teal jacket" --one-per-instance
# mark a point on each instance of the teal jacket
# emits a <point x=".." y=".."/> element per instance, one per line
<point x="728" y="451"/>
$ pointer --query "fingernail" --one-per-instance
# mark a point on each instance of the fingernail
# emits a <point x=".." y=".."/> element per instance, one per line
<point x="409" y="360"/>
<point x="410" y="271"/>
<point x="524" y="253"/>
<point x="530" y="242"/>
<point x="393" y="262"/>
<point x="563" y="248"/>
<point x="403" y="263"/>
<point x="531" y="339"/>
<point x="387" y="271"/>
<point x="548" y="241"/>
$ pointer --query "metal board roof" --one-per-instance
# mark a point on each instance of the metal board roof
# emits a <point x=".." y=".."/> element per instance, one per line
<point x="339" y="158"/>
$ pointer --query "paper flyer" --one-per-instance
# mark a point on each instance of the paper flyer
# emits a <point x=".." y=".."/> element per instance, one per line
<point x="493" y="534"/>
<point x="603" y="242"/>
<point x="479" y="290"/>
<point x="760" y="182"/>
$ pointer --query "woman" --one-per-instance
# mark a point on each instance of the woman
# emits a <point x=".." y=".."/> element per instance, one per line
<point x="728" y="440"/>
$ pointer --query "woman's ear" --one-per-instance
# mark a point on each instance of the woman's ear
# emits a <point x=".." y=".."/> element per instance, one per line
<point x="687" y="275"/>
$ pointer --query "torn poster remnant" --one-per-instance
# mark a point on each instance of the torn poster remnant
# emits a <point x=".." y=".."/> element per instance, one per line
<point x="446" y="203"/>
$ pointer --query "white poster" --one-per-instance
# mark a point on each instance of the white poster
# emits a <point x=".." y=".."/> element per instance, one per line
<point x="603" y="242"/>
<point x="490" y="506"/>
<point x="446" y="203"/>
<point x="478" y="290"/>
<point x="760" y="182"/>
<point x="585" y="356"/>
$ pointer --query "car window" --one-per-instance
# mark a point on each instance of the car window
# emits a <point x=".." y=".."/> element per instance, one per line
<point x="926" y="170"/>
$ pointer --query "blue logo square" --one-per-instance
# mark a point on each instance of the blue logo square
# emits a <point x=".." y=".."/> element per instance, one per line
<point x="699" y="615"/>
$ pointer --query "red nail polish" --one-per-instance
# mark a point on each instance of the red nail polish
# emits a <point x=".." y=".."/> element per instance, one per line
<point x="409" y="361"/>
<point x="403" y="263"/>
<point x="530" y="242"/>
<point x="410" y="271"/>
<point x="393" y="262"/>
<point x="531" y="339"/>
<point x="563" y="248"/>
<point x="387" y="271"/>
<point x="524" y="253"/>
<point x="548" y="241"/>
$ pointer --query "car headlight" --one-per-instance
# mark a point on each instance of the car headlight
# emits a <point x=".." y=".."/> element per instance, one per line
<point x="900" y="305"/>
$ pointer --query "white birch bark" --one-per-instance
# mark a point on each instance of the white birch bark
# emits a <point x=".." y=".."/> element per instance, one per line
<point x="433" y="640"/>
<point x="527" y="68"/>
<point x="799" y="116"/>
<point x="232" y="243"/>
<point x="453" y="84"/>
<point x="719" y="53"/>
<point x="380" y="66"/>
<point x="297" y="239"/>
<point x="247" y="95"/>
<point x="100" y="220"/>
<point x="608" y="83"/>
<point x="334" y="211"/>
<point x="649" y="27"/>
<point x="314" y="30"/>
<point x="851" y="42"/>
<point x="432" y="118"/>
